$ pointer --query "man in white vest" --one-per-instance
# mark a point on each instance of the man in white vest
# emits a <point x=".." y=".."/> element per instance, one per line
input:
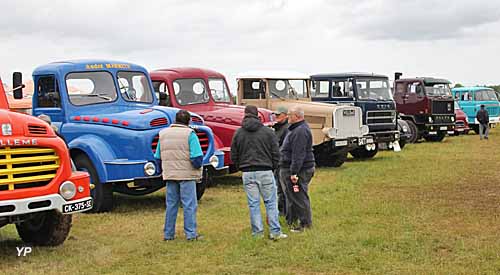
<point x="181" y="162"/>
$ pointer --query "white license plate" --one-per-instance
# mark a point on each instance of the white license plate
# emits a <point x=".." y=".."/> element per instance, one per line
<point x="433" y="133"/>
<point x="341" y="143"/>
<point x="443" y="128"/>
<point x="460" y="130"/>
<point x="77" y="206"/>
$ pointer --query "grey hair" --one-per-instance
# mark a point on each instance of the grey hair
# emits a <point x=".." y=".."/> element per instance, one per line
<point x="297" y="110"/>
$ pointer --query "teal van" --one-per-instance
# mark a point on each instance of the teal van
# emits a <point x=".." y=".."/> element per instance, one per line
<point x="470" y="100"/>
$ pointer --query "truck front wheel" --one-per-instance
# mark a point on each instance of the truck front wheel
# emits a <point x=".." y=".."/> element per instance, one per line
<point x="413" y="132"/>
<point x="102" y="193"/>
<point x="362" y="153"/>
<point x="49" y="228"/>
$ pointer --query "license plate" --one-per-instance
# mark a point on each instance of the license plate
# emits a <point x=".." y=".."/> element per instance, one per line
<point x="460" y="130"/>
<point x="77" y="206"/>
<point x="443" y="128"/>
<point x="369" y="140"/>
<point x="341" y="143"/>
<point x="433" y="133"/>
<point x="348" y="112"/>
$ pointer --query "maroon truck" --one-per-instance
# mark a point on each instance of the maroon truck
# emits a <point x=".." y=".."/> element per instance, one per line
<point x="427" y="105"/>
<point x="206" y="93"/>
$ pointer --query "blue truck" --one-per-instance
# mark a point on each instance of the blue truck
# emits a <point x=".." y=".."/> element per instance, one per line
<point x="470" y="100"/>
<point x="108" y="114"/>
<point x="370" y="92"/>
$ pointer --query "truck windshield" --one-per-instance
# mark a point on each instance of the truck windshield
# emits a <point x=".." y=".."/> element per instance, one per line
<point x="486" y="95"/>
<point x="219" y="90"/>
<point x="90" y="88"/>
<point x="283" y="88"/>
<point x="190" y="91"/>
<point x="441" y="89"/>
<point x="134" y="86"/>
<point x="373" y="89"/>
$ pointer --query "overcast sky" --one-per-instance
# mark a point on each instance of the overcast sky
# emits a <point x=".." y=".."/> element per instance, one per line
<point x="458" y="40"/>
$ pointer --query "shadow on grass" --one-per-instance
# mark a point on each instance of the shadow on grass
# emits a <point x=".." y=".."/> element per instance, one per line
<point x="374" y="159"/>
<point x="129" y="204"/>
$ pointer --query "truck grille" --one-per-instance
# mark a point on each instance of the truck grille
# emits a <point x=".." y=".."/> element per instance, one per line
<point x="27" y="167"/>
<point x="202" y="137"/>
<point x="347" y="121"/>
<point x="442" y="119"/>
<point x="443" y="107"/>
<point x="380" y="117"/>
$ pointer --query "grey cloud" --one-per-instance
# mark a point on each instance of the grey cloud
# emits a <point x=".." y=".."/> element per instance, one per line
<point x="420" y="20"/>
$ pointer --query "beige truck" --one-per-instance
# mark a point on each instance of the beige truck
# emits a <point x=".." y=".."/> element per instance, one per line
<point x="336" y="129"/>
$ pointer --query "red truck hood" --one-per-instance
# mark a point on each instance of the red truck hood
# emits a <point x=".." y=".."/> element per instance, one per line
<point x="460" y="115"/>
<point x="228" y="114"/>
<point x="19" y="123"/>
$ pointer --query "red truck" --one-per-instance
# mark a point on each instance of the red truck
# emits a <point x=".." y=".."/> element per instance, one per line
<point x="206" y="93"/>
<point x="39" y="189"/>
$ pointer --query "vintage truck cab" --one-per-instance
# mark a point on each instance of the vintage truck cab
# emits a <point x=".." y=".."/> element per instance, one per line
<point x="370" y="92"/>
<point x="427" y="105"/>
<point x="206" y="93"/>
<point x="109" y="116"/>
<point x="470" y="100"/>
<point x="336" y="129"/>
<point x="38" y="188"/>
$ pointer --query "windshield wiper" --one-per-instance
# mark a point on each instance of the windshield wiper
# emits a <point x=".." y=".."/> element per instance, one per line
<point x="103" y="96"/>
<point x="277" y="95"/>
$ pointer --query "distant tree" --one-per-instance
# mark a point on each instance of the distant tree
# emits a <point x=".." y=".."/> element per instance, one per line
<point x="458" y="85"/>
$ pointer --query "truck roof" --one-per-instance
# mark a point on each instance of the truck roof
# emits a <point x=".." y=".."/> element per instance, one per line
<point x="427" y="80"/>
<point x="272" y="75"/>
<point x="87" y="65"/>
<point x="471" y="88"/>
<point x="348" y="75"/>
<point x="186" y="72"/>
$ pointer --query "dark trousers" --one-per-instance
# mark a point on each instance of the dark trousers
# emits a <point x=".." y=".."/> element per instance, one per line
<point x="281" y="193"/>
<point x="298" y="203"/>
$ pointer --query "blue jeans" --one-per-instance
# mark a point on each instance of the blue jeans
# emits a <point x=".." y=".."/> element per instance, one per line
<point x="257" y="184"/>
<point x="181" y="192"/>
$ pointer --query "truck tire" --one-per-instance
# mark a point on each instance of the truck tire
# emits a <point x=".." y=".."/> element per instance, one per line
<point x="49" y="228"/>
<point x="437" y="138"/>
<point x="475" y="127"/>
<point x="362" y="153"/>
<point x="102" y="194"/>
<point x="413" y="132"/>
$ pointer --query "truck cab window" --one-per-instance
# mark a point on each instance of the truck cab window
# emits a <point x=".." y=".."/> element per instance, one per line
<point x="320" y="88"/>
<point x="339" y="89"/>
<point x="253" y="89"/>
<point x="190" y="91"/>
<point x="88" y="88"/>
<point x="48" y="92"/>
<point x="415" y="88"/>
<point x="161" y="87"/>
<point x="219" y="90"/>
<point x="134" y="86"/>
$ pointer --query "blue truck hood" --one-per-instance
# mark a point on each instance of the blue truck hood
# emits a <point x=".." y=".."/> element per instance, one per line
<point x="139" y="118"/>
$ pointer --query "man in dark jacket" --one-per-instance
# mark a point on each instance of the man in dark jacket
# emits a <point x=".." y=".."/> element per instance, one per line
<point x="483" y="118"/>
<point x="297" y="170"/>
<point x="255" y="151"/>
<point x="280" y="129"/>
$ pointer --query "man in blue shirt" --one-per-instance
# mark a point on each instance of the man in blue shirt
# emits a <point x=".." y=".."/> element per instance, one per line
<point x="181" y="160"/>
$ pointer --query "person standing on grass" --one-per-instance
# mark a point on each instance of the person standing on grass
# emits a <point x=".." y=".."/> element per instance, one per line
<point x="297" y="169"/>
<point x="483" y="118"/>
<point x="280" y="129"/>
<point x="181" y="161"/>
<point x="255" y="151"/>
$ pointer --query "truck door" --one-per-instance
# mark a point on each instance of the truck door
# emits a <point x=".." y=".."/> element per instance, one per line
<point x="467" y="104"/>
<point x="47" y="99"/>
<point x="252" y="92"/>
<point x="414" y="98"/>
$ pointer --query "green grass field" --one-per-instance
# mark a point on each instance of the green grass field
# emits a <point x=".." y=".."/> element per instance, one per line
<point x="431" y="209"/>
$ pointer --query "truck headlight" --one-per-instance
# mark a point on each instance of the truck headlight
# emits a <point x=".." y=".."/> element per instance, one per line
<point x="67" y="190"/>
<point x="430" y="119"/>
<point x="149" y="169"/>
<point x="214" y="161"/>
<point x="452" y="119"/>
<point x="405" y="128"/>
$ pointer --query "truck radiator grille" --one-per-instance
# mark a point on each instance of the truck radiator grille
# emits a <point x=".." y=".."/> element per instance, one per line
<point x="380" y="117"/>
<point x="202" y="137"/>
<point x="443" y="107"/>
<point x="27" y="167"/>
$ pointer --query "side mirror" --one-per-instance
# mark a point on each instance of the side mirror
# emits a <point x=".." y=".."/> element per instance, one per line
<point x="17" y="85"/>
